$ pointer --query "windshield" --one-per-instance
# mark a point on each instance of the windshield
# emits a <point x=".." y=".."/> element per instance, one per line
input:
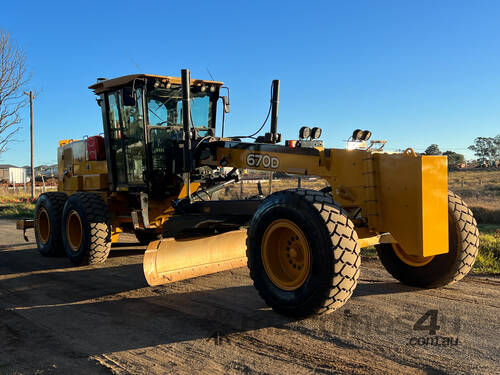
<point x="165" y="107"/>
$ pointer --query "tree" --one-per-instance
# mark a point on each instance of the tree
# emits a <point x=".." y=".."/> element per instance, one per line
<point x="12" y="80"/>
<point x="432" y="150"/>
<point x="454" y="159"/>
<point x="486" y="148"/>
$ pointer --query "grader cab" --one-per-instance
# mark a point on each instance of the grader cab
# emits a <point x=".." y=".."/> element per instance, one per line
<point x="158" y="166"/>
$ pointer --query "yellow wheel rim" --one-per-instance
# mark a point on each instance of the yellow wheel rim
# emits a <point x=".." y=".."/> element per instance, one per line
<point x="43" y="225"/>
<point x="74" y="230"/>
<point x="286" y="255"/>
<point x="411" y="260"/>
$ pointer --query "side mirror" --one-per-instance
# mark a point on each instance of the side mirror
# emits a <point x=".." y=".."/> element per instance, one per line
<point x="128" y="97"/>
<point x="225" y="101"/>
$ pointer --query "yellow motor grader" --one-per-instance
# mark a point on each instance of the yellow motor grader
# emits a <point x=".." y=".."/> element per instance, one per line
<point x="156" y="170"/>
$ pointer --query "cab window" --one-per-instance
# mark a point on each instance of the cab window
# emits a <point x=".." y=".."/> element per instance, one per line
<point x="126" y="130"/>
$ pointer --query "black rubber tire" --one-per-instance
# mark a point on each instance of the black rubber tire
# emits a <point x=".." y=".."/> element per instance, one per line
<point x="446" y="268"/>
<point x="53" y="202"/>
<point x="335" y="253"/>
<point x="145" y="238"/>
<point x="96" y="237"/>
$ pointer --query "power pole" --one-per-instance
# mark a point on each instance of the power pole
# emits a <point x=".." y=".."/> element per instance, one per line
<point x="30" y="94"/>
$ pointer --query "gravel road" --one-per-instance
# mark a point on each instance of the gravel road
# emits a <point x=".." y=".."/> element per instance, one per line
<point x="59" y="319"/>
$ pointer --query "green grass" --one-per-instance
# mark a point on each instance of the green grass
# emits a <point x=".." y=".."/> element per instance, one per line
<point x="369" y="253"/>
<point x="488" y="258"/>
<point x="17" y="210"/>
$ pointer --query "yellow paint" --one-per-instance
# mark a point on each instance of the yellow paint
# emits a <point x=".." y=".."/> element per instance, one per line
<point x="286" y="255"/>
<point x="74" y="230"/>
<point x="413" y="201"/>
<point x="90" y="167"/>
<point x="403" y="194"/>
<point x="75" y="173"/>
<point x="95" y="182"/>
<point x="65" y="142"/>
<point x="375" y="240"/>
<point x="25" y="224"/>
<point x="435" y="205"/>
<point x="170" y="260"/>
<point x="73" y="183"/>
<point x="193" y="187"/>
<point x="115" y="234"/>
<point x="411" y="260"/>
<point x="161" y="211"/>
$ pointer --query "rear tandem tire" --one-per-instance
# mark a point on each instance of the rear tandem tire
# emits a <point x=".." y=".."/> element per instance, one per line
<point x="443" y="269"/>
<point x="48" y="214"/>
<point x="312" y="233"/>
<point x="86" y="229"/>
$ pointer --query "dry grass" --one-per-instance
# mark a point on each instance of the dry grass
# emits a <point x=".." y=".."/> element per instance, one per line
<point x="16" y="204"/>
<point x="249" y="189"/>
<point x="480" y="189"/>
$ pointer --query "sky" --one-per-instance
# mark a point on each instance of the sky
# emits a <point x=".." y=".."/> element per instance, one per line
<point x="413" y="72"/>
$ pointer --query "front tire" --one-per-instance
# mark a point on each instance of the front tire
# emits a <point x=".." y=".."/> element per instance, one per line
<point x="443" y="269"/>
<point x="303" y="253"/>
<point x="48" y="214"/>
<point x="86" y="229"/>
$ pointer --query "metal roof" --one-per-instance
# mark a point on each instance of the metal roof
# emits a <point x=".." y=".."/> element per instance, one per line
<point x="105" y="85"/>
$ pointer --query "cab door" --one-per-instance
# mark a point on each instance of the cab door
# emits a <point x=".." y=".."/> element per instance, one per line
<point x="126" y="138"/>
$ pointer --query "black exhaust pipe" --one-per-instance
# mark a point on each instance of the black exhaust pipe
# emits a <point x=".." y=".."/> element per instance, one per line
<point x="275" y="100"/>
<point x="186" y="111"/>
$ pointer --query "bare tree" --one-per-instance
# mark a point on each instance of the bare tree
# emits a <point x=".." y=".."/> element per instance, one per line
<point x="12" y="79"/>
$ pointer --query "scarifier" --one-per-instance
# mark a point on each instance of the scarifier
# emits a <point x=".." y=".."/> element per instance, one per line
<point x="159" y="164"/>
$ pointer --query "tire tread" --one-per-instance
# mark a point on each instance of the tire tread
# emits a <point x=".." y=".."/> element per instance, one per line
<point x="100" y="228"/>
<point x="345" y="247"/>
<point x="57" y="200"/>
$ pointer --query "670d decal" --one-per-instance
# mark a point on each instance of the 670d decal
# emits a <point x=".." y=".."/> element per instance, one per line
<point x="264" y="160"/>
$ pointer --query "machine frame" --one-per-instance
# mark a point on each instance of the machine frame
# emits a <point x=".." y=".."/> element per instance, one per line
<point x="302" y="246"/>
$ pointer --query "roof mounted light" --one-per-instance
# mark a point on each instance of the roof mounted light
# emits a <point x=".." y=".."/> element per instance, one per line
<point x="356" y="135"/>
<point x="366" y="135"/>
<point x="304" y="132"/>
<point x="316" y="133"/>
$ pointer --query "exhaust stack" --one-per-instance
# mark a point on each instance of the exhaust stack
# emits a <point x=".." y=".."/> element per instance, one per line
<point x="186" y="111"/>
<point x="275" y="101"/>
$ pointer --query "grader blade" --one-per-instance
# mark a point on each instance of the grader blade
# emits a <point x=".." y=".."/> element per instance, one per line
<point x="169" y="260"/>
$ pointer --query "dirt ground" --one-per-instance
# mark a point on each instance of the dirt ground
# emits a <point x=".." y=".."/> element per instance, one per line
<point x="60" y="319"/>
